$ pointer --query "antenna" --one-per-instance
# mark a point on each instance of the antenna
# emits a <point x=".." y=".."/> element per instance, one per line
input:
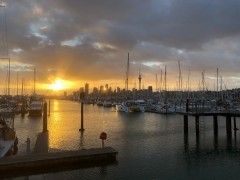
<point x="34" y="81"/>
<point x="139" y="79"/>
<point x="127" y="73"/>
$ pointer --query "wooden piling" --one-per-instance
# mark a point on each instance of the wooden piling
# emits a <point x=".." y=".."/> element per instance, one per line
<point x="45" y="117"/>
<point x="82" y="128"/>
<point x="228" y="126"/>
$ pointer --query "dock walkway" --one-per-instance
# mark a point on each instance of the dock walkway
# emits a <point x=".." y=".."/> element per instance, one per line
<point x="58" y="160"/>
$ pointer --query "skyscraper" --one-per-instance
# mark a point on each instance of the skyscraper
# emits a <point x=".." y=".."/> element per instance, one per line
<point x="86" y="89"/>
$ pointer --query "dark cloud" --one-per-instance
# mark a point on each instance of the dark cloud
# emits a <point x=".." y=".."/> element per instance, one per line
<point x="202" y="34"/>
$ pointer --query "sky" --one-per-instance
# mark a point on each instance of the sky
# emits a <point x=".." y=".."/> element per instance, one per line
<point x="88" y="41"/>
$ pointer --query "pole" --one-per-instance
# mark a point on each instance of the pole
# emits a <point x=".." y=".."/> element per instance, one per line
<point x="45" y="117"/>
<point x="82" y="129"/>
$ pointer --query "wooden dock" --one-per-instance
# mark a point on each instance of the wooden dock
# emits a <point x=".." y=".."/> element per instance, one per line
<point x="227" y="114"/>
<point x="58" y="161"/>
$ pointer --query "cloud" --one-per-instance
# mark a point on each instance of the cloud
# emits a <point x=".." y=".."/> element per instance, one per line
<point x="89" y="40"/>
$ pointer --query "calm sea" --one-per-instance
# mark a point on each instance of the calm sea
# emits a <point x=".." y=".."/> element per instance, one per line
<point x="150" y="146"/>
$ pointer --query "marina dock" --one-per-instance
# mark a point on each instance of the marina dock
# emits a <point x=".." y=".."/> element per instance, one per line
<point x="47" y="162"/>
<point x="227" y="114"/>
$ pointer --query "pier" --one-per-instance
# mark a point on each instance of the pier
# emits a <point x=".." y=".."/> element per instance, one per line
<point x="227" y="114"/>
<point x="48" y="162"/>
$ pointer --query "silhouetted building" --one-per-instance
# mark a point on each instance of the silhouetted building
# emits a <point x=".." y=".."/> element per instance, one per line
<point x="101" y="89"/>
<point x="118" y="90"/>
<point x="86" y="89"/>
<point x="81" y="89"/>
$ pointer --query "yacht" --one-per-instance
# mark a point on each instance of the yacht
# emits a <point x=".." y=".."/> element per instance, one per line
<point x="8" y="140"/>
<point x="130" y="106"/>
<point x="35" y="106"/>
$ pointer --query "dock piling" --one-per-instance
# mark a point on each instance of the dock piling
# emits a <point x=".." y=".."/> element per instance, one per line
<point x="215" y="125"/>
<point x="228" y="127"/>
<point x="82" y="96"/>
<point x="45" y="117"/>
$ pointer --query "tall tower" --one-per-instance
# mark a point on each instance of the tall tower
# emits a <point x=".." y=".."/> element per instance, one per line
<point x="139" y="79"/>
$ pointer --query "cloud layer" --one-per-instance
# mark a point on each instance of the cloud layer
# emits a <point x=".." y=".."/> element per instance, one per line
<point x="89" y="40"/>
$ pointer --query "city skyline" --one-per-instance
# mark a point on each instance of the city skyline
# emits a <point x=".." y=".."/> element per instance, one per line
<point x="71" y="43"/>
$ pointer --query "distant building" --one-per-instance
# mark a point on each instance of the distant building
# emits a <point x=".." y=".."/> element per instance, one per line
<point x="86" y="89"/>
<point x="118" y="90"/>
<point x="65" y="94"/>
<point x="149" y="91"/>
<point x="106" y="87"/>
<point x="81" y="89"/>
<point x="101" y="89"/>
<point x="95" y="90"/>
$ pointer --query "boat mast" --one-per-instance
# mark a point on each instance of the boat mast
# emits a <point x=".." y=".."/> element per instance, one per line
<point x="217" y="83"/>
<point x="34" y="81"/>
<point x="7" y="54"/>
<point x="165" y="84"/>
<point x="17" y="85"/>
<point x="22" y="88"/>
<point x="156" y="83"/>
<point x="179" y="80"/>
<point x="127" y="73"/>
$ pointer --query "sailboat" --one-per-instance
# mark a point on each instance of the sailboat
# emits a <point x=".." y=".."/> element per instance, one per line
<point x="8" y="139"/>
<point x="129" y="105"/>
<point x="35" y="107"/>
<point x="165" y="107"/>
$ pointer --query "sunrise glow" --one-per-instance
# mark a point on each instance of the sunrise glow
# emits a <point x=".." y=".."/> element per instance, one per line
<point x="57" y="85"/>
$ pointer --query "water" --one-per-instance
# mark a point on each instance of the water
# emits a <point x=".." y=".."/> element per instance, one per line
<point x="151" y="146"/>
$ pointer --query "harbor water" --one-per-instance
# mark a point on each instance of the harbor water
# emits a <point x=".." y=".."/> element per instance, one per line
<point x="150" y="146"/>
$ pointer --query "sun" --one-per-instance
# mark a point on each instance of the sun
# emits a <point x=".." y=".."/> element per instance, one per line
<point x="57" y="85"/>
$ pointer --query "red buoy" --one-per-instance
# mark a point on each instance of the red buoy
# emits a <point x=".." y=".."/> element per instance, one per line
<point x="103" y="136"/>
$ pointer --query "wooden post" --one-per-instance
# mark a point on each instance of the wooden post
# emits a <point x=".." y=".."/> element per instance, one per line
<point x="215" y="125"/>
<point x="82" y="95"/>
<point x="82" y="128"/>
<point x="45" y="117"/>
<point x="185" y="119"/>
<point x="228" y="127"/>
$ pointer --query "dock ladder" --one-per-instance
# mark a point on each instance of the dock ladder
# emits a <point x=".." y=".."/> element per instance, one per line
<point x="202" y="125"/>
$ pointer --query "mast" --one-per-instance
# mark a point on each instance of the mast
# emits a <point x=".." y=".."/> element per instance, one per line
<point x="156" y="83"/>
<point x="17" y="84"/>
<point x="22" y="87"/>
<point x="217" y="82"/>
<point x="34" y="81"/>
<point x="127" y="73"/>
<point x="179" y="79"/>
<point x="7" y="54"/>
<point x="165" y="84"/>
<point x="188" y="86"/>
